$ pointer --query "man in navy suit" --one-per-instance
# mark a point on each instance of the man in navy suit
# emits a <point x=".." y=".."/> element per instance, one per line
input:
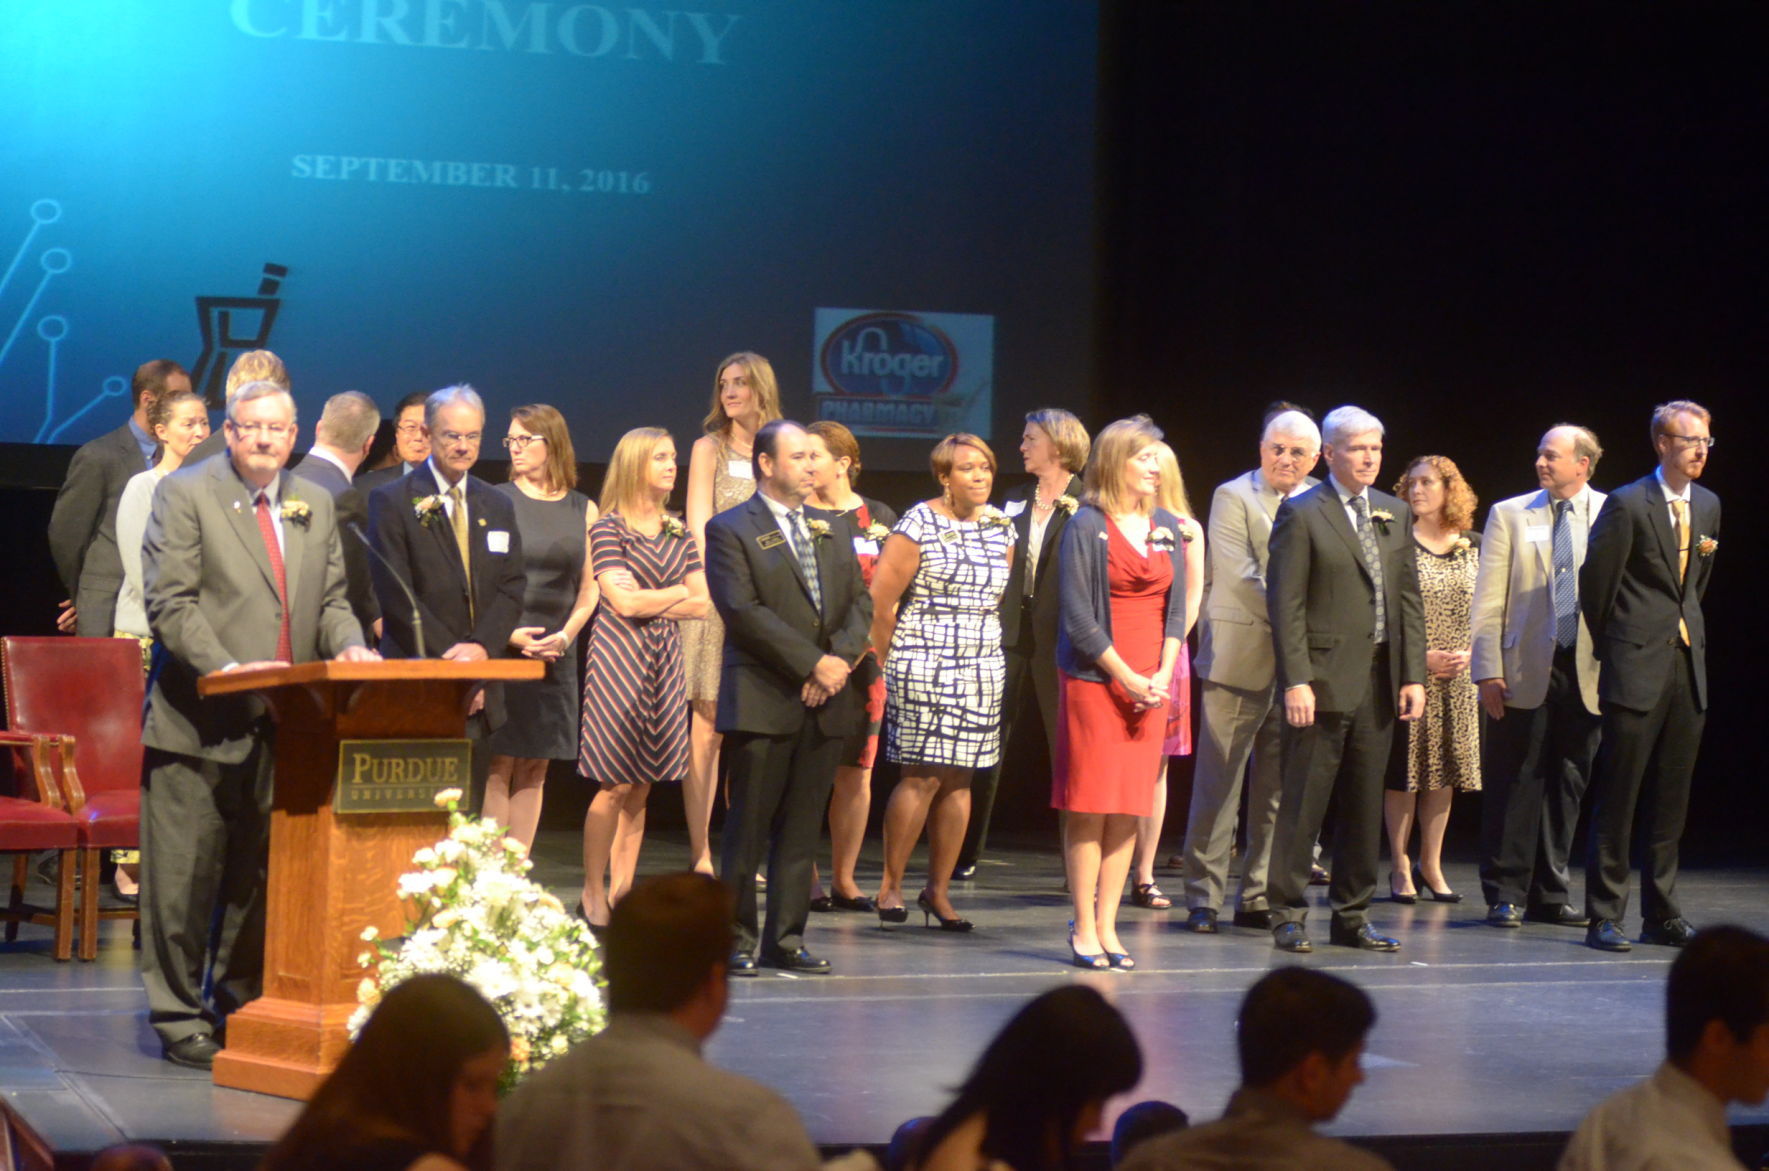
<point x="1647" y="565"/>
<point x="797" y="618"/>
<point x="341" y="440"/>
<point x="451" y="538"/>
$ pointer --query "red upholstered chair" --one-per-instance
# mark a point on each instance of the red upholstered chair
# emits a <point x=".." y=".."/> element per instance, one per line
<point x="87" y="694"/>
<point x="32" y="819"/>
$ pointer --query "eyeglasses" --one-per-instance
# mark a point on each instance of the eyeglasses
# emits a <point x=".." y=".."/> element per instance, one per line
<point x="521" y="442"/>
<point x="1691" y="440"/>
<point x="409" y="429"/>
<point x="254" y="430"/>
<point x="453" y="437"/>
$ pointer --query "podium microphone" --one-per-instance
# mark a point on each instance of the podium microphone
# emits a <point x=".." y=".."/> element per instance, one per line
<point x="417" y="619"/>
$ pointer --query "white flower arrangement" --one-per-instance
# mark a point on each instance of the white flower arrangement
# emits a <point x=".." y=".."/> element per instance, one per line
<point x="474" y="913"/>
<point x="991" y="517"/>
<point x="1383" y="519"/>
<point x="1706" y="546"/>
<point x="1463" y="547"/>
<point x="1066" y="503"/>
<point x="297" y="512"/>
<point x="671" y="527"/>
<point x="877" y="532"/>
<point x="818" y="529"/>
<point x="428" y="509"/>
<point x="1161" y="538"/>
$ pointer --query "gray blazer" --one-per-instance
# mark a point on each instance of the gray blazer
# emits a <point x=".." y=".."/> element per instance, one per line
<point x="212" y="600"/>
<point x="83" y="526"/>
<point x="1234" y="631"/>
<point x="1513" y="615"/>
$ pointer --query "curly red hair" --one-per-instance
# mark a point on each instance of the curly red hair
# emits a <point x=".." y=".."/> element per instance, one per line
<point x="1459" y="500"/>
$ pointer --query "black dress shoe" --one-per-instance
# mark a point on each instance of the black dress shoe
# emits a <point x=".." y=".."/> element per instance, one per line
<point x="1364" y="937"/>
<point x="196" y="1051"/>
<point x="1607" y="935"/>
<point x="796" y="961"/>
<point x="1318" y="875"/>
<point x="1258" y="920"/>
<point x="857" y="903"/>
<point x="1670" y="933"/>
<point x="1504" y="915"/>
<point x="822" y="904"/>
<point x="1202" y="920"/>
<point x="1558" y="915"/>
<point x="742" y="963"/>
<point x="1292" y="937"/>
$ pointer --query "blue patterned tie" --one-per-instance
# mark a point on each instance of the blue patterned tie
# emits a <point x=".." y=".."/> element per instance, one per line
<point x="1366" y="536"/>
<point x="1566" y="582"/>
<point x="801" y="544"/>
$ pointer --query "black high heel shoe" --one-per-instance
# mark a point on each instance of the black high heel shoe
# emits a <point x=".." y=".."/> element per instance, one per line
<point x="1096" y="962"/>
<point x="928" y="912"/>
<point x="1431" y="892"/>
<point x="1396" y="896"/>
<point x="889" y="915"/>
<point x="595" y="930"/>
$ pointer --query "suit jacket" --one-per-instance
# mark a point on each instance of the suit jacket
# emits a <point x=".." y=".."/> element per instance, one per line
<point x="1046" y="604"/>
<point x="1632" y="599"/>
<point x="774" y="635"/>
<point x="353" y="509"/>
<point x="212" y="600"/>
<point x="424" y="555"/>
<point x="83" y="525"/>
<point x="1322" y="602"/>
<point x="367" y="481"/>
<point x="1234" y="628"/>
<point x="1513" y="615"/>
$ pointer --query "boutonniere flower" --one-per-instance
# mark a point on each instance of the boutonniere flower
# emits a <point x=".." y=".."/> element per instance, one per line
<point x="297" y="512"/>
<point x="819" y="529"/>
<point x="993" y="518"/>
<point x="1066" y="503"/>
<point x="877" y="532"/>
<point x="672" y="527"/>
<point x="1383" y="518"/>
<point x="1705" y="546"/>
<point x="1188" y="531"/>
<point x="1161" y="538"/>
<point x="428" y="509"/>
<point x="1463" y="546"/>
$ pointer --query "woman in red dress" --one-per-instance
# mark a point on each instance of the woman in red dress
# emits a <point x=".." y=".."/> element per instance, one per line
<point x="1124" y="614"/>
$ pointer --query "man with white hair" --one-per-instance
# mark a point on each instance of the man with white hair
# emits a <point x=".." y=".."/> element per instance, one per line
<point x="1236" y="668"/>
<point x="1348" y="629"/>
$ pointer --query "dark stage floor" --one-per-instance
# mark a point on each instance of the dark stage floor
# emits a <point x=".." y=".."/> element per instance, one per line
<point x="1482" y="1032"/>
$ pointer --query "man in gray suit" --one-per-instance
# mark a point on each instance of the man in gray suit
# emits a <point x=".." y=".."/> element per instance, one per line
<point x="1235" y="666"/>
<point x="1533" y="661"/>
<point x="83" y="527"/>
<point x="242" y="568"/>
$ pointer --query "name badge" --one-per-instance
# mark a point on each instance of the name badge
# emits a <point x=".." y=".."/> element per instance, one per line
<point x="950" y="537"/>
<point x="771" y="540"/>
<point x="740" y="469"/>
<point x="1015" y="507"/>
<point x="497" y="541"/>
<point x="865" y="548"/>
<point x="1538" y="532"/>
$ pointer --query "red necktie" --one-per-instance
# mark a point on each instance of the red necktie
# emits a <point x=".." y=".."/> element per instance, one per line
<point x="285" y="647"/>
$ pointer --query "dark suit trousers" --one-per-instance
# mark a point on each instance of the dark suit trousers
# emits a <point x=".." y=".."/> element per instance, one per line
<point x="1340" y="759"/>
<point x="205" y="851"/>
<point x="1535" y="763"/>
<point x="780" y="787"/>
<point x="1030" y="662"/>
<point x="1643" y="765"/>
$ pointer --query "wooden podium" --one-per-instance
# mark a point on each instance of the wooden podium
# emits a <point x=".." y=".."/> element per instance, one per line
<point x="333" y="875"/>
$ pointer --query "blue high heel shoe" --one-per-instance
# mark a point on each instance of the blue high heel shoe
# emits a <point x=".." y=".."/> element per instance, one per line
<point x="1096" y="962"/>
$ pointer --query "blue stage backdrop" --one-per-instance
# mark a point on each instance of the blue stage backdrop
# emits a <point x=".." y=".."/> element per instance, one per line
<point x="583" y="204"/>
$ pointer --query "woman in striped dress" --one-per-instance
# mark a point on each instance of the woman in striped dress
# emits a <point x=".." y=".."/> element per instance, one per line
<point x="635" y="715"/>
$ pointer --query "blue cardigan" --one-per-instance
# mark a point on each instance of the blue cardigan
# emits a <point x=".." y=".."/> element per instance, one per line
<point x="1086" y="630"/>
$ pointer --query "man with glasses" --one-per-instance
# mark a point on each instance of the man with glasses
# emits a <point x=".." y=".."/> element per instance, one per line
<point x="1650" y="557"/>
<point x="411" y="442"/>
<point x="242" y="568"/>
<point x="452" y="539"/>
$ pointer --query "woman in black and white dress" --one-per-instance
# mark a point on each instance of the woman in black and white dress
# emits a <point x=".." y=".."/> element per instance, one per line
<point x="950" y="558"/>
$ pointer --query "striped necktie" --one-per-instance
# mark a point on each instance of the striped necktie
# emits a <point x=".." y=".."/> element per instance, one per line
<point x="1366" y="536"/>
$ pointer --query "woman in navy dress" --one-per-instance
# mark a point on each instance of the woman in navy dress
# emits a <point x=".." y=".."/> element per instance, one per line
<point x="635" y="713"/>
<point x="554" y="520"/>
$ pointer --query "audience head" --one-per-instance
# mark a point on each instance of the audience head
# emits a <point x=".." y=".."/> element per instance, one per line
<point x="1170" y="492"/>
<point x="1053" y="439"/>
<point x="641" y="472"/>
<point x="410" y="438"/>
<point x="425" y="1067"/>
<point x="840" y="458"/>
<point x="538" y="437"/>
<point x="153" y="379"/>
<point x="1351" y="439"/>
<point x="666" y="947"/>
<point x="1301" y="1034"/>
<point x="454" y="418"/>
<point x="179" y="419"/>
<point x="1144" y="1121"/>
<point x="781" y="461"/>
<point x="1434" y="485"/>
<point x="1681" y="435"/>
<point x="257" y="366"/>
<point x="348" y="422"/>
<point x="1289" y="448"/>
<point x="130" y="1157"/>
<point x="964" y="467"/>
<point x="905" y="1141"/>
<point x="1124" y="472"/>
<point x="1565" y="459"/>
<point x="1043" y="1082"/>
<point x="260" y="430"/>
<point x="1717" y="1013"/>
<point x="744" y="390"/>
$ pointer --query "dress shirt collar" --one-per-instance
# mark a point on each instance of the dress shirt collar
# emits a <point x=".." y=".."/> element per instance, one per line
<point x="322" y="453"/>
<point x="273" y="491"/>
<point x="1347" y="495"/>
<point x="782" y="513"/>
<point x="1677" y="1087"/>
<point x="443" y="487"/>
<point x="144" y="440"/>
<point x="1659" y="475"/>
<point x="651" y="1026"/>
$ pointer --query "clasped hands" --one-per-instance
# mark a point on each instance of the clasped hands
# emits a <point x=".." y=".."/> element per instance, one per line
<point x="533" y="642"/>
<point x="1147" y="692"/>
<point x="828" y="677"/>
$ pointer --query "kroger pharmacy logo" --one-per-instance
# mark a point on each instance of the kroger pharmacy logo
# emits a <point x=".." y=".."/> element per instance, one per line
<point x="890" y="354"/>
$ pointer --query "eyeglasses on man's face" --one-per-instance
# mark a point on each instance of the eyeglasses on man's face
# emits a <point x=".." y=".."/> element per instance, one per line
<point x="451" y="438"/>
<point x="1691" y="440"/>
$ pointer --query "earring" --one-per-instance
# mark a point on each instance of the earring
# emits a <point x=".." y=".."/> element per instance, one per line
<point x="946" y="496"/>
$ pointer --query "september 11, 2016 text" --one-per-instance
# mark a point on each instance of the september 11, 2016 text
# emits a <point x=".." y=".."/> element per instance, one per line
<point x="464" y="173"/>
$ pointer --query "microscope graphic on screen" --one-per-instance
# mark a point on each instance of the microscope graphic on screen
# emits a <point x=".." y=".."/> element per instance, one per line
<point x="232" y="325"/>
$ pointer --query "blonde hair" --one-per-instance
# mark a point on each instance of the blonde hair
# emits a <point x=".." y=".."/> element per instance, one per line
<point x="257" y="366"/>
<point x="762" y="384"/>
<point x="624" y="482"/>
<point x="1067" y="433"/>
<point x="1459" y="500"/>
<point x="1115" y="447"/>
<point x="945" y="453"/>
<point x="560" y="471"/>
<point x="1171" y="494"/>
